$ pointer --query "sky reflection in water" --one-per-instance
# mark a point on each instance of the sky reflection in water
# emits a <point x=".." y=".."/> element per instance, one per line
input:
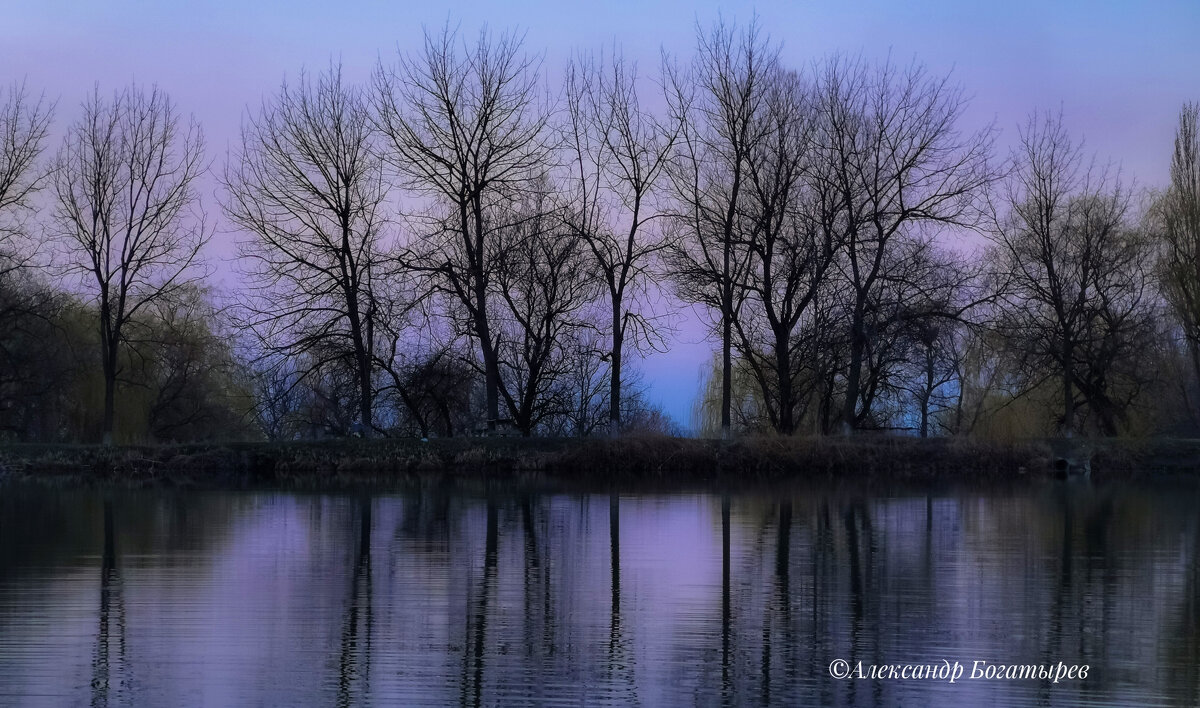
<point x="438" y="597"/>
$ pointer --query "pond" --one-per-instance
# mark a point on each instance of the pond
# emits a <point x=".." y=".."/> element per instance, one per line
<point x="437" y="596"/>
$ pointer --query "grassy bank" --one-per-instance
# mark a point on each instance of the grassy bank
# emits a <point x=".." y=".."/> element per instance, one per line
<point x="627" y="460"/>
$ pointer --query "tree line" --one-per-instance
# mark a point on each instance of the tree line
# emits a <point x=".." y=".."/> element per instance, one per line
<point x="454" y="247"/>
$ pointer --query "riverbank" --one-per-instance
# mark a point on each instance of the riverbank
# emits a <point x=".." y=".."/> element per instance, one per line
<point x="337" y="463"/>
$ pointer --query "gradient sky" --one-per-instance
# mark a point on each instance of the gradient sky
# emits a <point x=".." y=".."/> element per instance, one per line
<point x="1119" y="71"/>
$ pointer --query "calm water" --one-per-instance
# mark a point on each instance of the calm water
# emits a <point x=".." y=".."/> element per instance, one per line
<point x="437" y="597"/>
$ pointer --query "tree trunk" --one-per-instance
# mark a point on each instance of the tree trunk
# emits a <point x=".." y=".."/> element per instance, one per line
<point x="492" y="386"/>
<point x="726" y="369"/>
<point x="827" y="402"/>
<point x="421" y="419"/>
<point x="614" y="383"/>
<point x="362" y="362"/>
<point x="110" y="390"/>
<point x="491" y="367"/>
<point x="109" y="394"/>
<point x="857" y="344"/>
<point x="783" y="372"/>
<point x="1068" y="395"/>
<point x="927" y="393"/>
<point x="365" y="396"/>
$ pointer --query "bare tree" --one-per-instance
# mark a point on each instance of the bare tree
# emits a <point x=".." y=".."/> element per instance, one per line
<point x="466" y="129"/>
<point x="277" y="397"/>
<point x="1077" y="309"/>
<point x="25" y="305"/>
<point x="408" y="352"/>
<point x="1178" y="212"/>
<point x="588" y="407"/>
<point x="329" y="392"/>
<point x="618" y="152"/>
<point x="935" y="361"/>
<point x="436" y="392"/>
<point x="546" y="282"/>
<point x="925" y="304"/>
<point x="896" y="163"/>
<point x="717" y="105"/>
<point x="23" y="126"/>
<point x="124" y="181"/>
<point x="791" y="253"/>
<point x="309" y="187"/>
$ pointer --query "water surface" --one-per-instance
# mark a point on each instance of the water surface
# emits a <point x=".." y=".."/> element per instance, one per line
<point x="440" y="597"/>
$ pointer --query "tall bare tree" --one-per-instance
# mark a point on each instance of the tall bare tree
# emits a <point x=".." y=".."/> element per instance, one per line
<point x="792" y="254"/>
<point x="24" y="123"/>
<point x="309" y="187"/>
<point x="466" y="128"/>
<point x="412" y="356"/>
<point x="1077" y="308"/>
<point x="717" y="103"/>
<point x="916" y="318"/>
<point x="546" y="282"/>
<point x="618" y="153"/>
<point x="127" y="211"/>
<point x="896" y="162"/>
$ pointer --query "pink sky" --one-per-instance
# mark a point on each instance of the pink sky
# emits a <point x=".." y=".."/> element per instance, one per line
<point x="1118" y="70"/>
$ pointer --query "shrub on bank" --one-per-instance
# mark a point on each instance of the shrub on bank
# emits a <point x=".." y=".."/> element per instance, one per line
<point x="627" y="459"/>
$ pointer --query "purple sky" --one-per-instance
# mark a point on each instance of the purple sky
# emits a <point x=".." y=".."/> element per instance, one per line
<point x="1118" y="70"/>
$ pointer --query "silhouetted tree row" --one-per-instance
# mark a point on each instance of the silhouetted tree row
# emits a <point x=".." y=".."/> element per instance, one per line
<point x="453" y="247"/>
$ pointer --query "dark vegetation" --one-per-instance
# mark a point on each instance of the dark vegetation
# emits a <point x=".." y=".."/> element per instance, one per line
<point x="452" y="249"/>
<point x="636" y="462"/>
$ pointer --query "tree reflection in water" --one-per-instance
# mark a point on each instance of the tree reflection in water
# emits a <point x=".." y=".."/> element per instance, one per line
<point x="435" y="597"/>
<point x="354" y="661"/>
<point x="112" y="612"/>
